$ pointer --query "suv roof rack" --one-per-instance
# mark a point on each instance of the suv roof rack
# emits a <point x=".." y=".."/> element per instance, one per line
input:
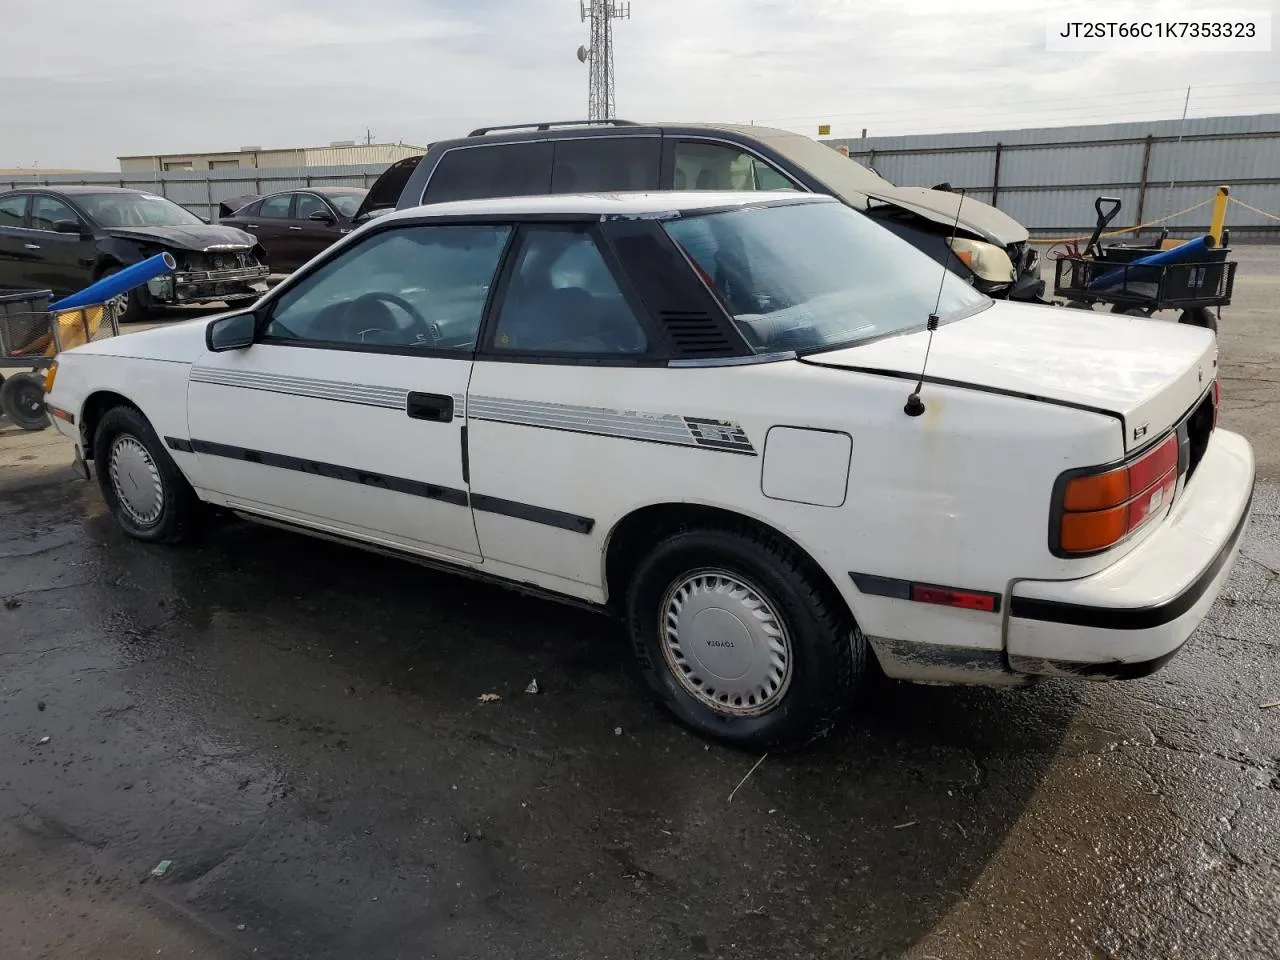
<point x="481" y="131"/>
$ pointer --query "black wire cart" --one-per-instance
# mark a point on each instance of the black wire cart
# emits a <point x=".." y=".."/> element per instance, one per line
<point x="1108" y="275"/>
<point x="31" y="336"/>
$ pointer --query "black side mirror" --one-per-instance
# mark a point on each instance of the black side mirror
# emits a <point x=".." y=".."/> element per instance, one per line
<point x="322" y="216"/>
<point x="234" y="332"/>
<point x="70" y="226"/>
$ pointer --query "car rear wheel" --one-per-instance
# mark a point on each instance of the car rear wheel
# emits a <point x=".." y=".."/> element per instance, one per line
<point x="22" y="400"/>
<point x="143" y="488"/>
<point x="741" y="639"/>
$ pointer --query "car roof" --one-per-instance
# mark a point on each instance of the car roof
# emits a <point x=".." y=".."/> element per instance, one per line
<point x="607" y="204"/>
<point x="323" y="191"/>
<point x="75" y="189"/>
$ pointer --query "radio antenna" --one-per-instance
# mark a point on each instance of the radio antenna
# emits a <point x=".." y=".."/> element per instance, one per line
<point x="915" y="406"/>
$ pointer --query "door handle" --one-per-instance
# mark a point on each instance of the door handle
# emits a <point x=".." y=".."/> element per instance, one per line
<point x="32" y="246"/>
<point x="252" y="226"/>
<point x="295" y="228"/>
<point x="436" y="407"/>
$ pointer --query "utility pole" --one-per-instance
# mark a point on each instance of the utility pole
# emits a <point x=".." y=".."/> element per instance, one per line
<point x="599" y="55"/>
<point x="368" y="136"/>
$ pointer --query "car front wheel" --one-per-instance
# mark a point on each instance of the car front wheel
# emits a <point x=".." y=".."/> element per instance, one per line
<point x="134" y="305"/>
<point x="142" y="486"/>
<point x="739" y="637"/>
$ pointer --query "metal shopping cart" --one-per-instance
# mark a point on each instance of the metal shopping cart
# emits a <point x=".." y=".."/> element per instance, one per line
<point x="31" y="335"/>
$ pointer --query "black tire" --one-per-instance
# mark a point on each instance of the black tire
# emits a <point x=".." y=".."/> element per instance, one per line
<point x="139" y="303"/>
<point x="828" y="654"/>
<point x="1200" y="317"/>
<point x="178" y="507"/>
<point x="1078" y="305"/>
<point x="1129" y="311"/>
<point x="22" y="399"/>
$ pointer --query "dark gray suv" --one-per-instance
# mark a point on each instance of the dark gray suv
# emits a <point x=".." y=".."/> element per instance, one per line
<point x="990" y="248"/>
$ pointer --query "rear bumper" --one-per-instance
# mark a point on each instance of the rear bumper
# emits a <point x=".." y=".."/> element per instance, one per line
<point x="1132" y="618"/>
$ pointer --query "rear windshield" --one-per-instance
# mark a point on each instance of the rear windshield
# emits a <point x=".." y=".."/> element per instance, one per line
<point x="817" y="276"/>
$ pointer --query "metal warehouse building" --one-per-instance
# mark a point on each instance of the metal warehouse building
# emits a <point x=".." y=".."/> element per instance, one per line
<point x="1047" y="178"/>
<point x="336" y="154"/>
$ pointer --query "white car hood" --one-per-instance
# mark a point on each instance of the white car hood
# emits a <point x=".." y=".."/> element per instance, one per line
<point x="182" y="342"/>
<point x="1148" y="372"/>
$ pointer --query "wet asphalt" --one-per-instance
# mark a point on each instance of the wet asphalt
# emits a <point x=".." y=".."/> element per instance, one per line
<point x="296" y="727"/>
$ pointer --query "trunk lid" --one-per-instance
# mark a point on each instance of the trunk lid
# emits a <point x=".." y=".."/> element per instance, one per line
<point x="386" y="190"/>
<point x="1146" y="372"/>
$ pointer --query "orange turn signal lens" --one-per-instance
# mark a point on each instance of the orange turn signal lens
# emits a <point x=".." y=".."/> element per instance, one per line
<point x="1101" y="509"/>
<point x="49" y="376"/>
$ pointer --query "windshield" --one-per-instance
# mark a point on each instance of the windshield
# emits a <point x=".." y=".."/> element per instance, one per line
<point x="347" y="203"/>
<point x="839" y="175"/>
<point x="816" y="276"/>
<point x="136" y="210"/>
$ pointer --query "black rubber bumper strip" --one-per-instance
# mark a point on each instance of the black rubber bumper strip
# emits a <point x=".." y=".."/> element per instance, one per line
<point x="1131" y="618"/>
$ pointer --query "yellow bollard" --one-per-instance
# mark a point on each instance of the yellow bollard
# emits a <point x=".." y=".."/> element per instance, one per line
<point x="1219" y="215"/>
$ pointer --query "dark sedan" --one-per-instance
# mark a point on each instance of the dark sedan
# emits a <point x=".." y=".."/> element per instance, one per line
<point x="64" y="238"/>
<point x="296" y="225"/>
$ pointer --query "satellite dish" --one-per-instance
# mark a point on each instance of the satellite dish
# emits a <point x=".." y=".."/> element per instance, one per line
<point x="583" y="53"/>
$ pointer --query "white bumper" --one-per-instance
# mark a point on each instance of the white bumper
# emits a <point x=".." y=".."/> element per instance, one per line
<point x="1131" y="618"/>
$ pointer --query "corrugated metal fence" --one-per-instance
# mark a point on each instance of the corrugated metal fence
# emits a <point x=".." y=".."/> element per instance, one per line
<point x="1048" y="178"/>
<point x="201" y="191"/>
<point x="1045" y="178"/>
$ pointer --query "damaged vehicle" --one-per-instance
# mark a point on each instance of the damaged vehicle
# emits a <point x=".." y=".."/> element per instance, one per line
<point x="66" y="237"/>
<point x="711" y="414"/>
<point x="990" y="249"/>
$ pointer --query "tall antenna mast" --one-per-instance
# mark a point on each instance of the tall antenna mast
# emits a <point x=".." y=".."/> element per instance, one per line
<point x="599" y="55"/>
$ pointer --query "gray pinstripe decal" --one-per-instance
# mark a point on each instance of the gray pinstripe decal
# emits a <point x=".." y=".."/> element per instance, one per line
<point x="341" y="391"/>
<point x="668" y="428"/>
<point x="626" y="424"/>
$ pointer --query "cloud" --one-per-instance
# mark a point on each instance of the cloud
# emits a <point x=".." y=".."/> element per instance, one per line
<point x="153" y="76"/>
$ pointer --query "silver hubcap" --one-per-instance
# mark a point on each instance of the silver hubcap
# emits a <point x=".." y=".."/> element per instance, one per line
<point x="725" y="643"/>
<point x="136" y="481"/>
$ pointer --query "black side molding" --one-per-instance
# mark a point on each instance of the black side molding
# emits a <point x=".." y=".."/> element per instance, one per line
<point x="1130" y="618"/>
<point x="525" y="511"/>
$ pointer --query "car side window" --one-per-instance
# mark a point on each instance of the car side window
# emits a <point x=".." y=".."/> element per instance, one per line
<point x="500" y="170"/>
<point x="715" y="166"/>
<point x="598" y="164"/>
<point x="416" y="287"/>
<point x="276" y="208"/>
<point x="46" y="211"/>
<point x="13" y="210"/>
<point x="309" y="203"/>
<point x="563" y="299"/>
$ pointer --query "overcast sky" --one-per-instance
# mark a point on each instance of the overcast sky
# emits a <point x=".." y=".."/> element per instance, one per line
<point x="91" y="81"/>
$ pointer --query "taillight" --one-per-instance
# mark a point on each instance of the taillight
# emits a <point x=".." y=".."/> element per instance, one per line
<point x="1098" y="510"/>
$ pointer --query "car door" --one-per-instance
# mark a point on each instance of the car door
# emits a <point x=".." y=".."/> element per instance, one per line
<point x="13" y="239"/>
<point x="308" y="237"/>
<point x="269" y="222"/>
<point x="569" y="377"/>
<point x="66" y="259"/>
<point x="347" y="414"/>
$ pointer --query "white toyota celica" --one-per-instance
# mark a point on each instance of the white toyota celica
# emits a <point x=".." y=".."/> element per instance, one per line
<point x="692" y="408"/>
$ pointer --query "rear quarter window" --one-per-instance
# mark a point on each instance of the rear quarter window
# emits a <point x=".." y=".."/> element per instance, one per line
<point x="603" y="164"/>
<point x="500" y="170"/>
